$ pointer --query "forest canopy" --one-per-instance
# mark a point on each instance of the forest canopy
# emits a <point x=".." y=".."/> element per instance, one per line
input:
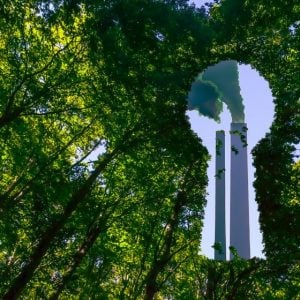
<point x="103" y="182"/>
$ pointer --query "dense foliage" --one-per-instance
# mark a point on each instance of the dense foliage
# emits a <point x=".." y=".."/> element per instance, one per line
<point x="103" y="181"/>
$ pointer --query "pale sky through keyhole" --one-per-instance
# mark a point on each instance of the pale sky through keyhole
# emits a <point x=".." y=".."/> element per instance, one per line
<point x="259" y="114"/>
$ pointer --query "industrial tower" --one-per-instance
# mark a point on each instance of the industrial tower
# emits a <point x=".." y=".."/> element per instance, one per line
<point x="239" y="198"/>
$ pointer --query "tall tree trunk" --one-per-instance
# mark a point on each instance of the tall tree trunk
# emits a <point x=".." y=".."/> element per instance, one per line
<point x="47" y="237"/>
<point x="151" y="287"/>
<point x="211" y="283"/>
<point x="77" y="259"/>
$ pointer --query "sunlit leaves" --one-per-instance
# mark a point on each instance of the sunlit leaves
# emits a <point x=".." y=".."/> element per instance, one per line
<point x="101" y="86"/>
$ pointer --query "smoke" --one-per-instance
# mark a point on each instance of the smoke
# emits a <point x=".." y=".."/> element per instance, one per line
<point x="217" y="84"/>
<point x="204" y="97"/>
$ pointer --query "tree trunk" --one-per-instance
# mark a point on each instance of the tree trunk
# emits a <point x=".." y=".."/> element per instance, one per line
<point x="158" y="266"/>
<point x="77" y="259"/>
<point x="211" y="283"/>
<point x="151" y="290"/>
<point x="9" y="117"/>
<point x="40" y="250"/>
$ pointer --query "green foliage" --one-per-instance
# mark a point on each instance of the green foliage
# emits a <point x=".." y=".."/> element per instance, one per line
<point x="102" y="186"/>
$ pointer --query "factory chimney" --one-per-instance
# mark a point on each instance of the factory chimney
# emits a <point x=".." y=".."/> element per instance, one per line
<point x="220" y="229"/>
<point x="239" y="199"/>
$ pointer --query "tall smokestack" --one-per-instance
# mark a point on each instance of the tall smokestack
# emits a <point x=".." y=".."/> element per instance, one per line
<point x="239" y="202"/>
<point x="220" y="233"/>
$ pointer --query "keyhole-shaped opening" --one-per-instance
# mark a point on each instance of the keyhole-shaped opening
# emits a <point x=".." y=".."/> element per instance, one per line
<point x="259" y="114"/>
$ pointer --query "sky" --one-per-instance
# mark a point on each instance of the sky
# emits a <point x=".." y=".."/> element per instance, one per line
<point x="259" y="113"/>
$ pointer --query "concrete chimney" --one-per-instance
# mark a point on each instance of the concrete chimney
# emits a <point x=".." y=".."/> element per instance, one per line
<point x="239" y="199"/>
<point x="220" y="229"/>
